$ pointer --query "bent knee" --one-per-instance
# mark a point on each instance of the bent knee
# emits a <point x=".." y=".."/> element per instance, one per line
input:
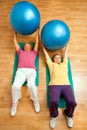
<point x="31" y="85"/>
<point x="72" y="103"/>
<point x="15" y="87"/>
<point x="53" y="102"/>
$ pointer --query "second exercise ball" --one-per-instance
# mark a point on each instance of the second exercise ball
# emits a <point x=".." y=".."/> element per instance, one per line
<point x="25" y="18"/>
<point x="55" y="34"/>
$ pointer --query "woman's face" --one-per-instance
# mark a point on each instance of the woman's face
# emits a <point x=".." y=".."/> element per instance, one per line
<point x="27" y="47"/>
<point x="57" y="59"/>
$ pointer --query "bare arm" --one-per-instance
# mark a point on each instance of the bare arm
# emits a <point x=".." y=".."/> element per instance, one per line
<point x="65" y="52"/>
<point x="15" y="41"/>
<point x="45" y="53"/>
<point x="37" y="39"/>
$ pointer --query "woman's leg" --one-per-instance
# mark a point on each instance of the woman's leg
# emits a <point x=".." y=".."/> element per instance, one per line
<point x="17" y="84"/>
<point x="55" y="93"/>
<point x="16" y="90"/>
<point x="31" y="77"/>
<point x="70" y="100"/>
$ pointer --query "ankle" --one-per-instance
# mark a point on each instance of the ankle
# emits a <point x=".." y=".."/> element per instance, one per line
<point x="14" y="103"/>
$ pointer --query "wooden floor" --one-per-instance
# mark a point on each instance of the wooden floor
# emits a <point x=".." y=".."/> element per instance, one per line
<point x="74" y="13"/>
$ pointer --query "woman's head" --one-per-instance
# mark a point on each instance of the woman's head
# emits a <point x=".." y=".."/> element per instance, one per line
<point x="27" y="46"/>
<point x="57" y="58"/>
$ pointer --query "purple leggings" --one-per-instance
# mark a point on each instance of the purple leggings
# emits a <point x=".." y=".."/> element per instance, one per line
<point x="56" y="91"/>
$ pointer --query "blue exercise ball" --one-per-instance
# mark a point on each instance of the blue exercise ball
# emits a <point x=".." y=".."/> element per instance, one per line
<point x="55" y="34"/>
<point x="25" y="18"/>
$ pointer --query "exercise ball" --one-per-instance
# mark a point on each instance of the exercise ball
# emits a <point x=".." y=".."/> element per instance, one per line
<point x="55" y="34"/>
<point x="24" y="18"/>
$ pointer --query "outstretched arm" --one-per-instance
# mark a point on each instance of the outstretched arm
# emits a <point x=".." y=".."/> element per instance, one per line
<point x="45" y="53"/>
<point x="37" y="40"/>
<point x="65" y="52"/>
<point x="15" y="41"/>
